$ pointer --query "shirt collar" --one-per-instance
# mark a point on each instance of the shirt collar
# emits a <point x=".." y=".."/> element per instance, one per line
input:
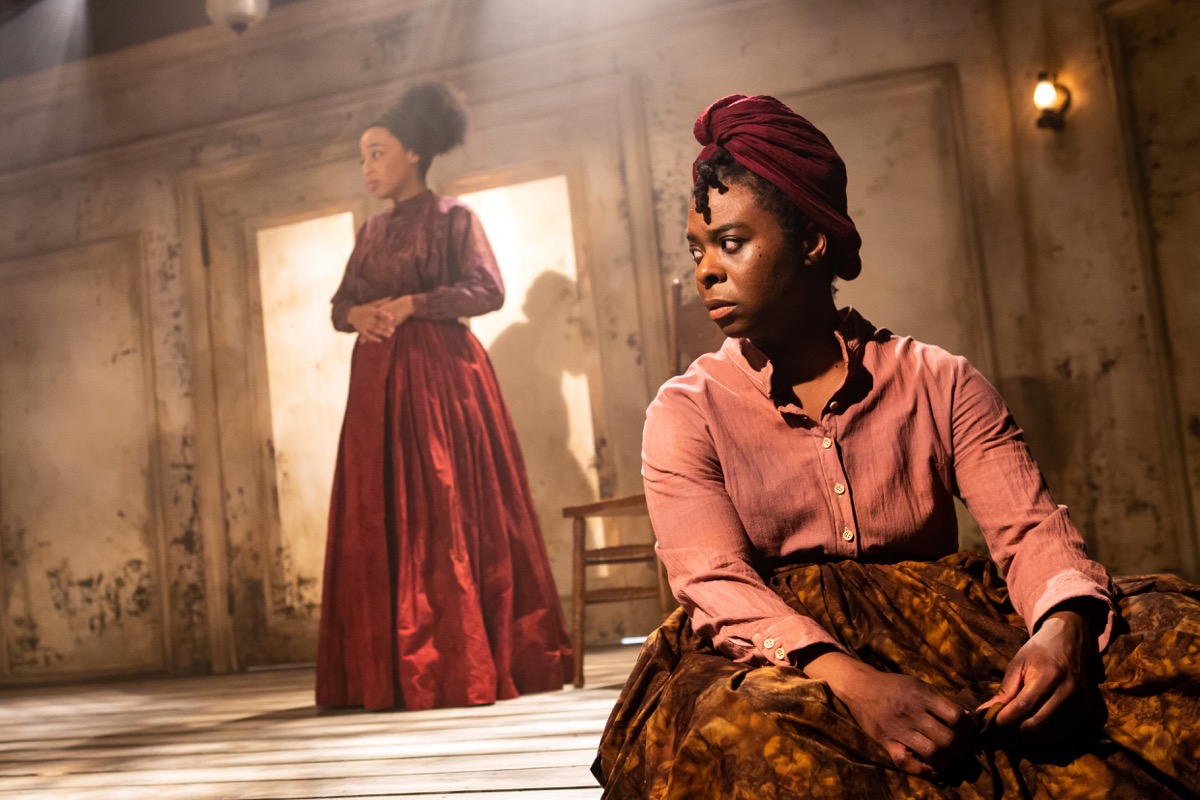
<point x="853" y="334"/>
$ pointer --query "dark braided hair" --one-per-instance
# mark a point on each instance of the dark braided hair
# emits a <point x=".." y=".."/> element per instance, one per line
<point x="428" y="119"/>
<point x="721" y="170"/>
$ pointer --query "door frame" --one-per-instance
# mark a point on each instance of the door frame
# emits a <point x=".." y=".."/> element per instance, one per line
<point x="195" y="187"/>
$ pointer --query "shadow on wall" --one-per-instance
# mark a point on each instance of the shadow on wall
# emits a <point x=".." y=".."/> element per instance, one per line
<point x="534" y="359"/>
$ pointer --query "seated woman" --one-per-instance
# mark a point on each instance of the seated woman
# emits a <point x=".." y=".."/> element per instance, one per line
<point x="831" y="641"/>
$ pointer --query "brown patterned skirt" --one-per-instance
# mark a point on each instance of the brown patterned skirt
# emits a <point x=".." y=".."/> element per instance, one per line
<point x="693" y="724"/>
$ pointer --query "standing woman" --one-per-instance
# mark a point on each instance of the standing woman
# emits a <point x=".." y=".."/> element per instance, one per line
<point x="438" y="590"/>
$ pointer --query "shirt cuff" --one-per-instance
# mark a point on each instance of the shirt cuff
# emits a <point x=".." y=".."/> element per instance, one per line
<point x="420" y="305"/>
<point x="779" y="643"/>
<point x="1073" y="585"/>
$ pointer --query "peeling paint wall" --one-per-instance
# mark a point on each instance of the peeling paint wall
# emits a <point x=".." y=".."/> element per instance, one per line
<point x="1095" y="401"/>
<point x="77" y="525"/>
<point x="1161" y="63"/>
<point x="1072" y="304"/>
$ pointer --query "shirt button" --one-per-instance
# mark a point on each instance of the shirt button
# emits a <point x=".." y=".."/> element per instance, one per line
<point x="833" y="405"/>
<point x="827" y="443"/>
<point x="848" y="535"/>
<point x="769" y="643"/>
<point x="839" y="489"/>
<point x="781" y="654"/>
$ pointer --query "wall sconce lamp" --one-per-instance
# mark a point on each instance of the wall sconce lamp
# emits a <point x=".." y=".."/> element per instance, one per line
<point x="237" y="15"/>
<point x="1052" y="100"/>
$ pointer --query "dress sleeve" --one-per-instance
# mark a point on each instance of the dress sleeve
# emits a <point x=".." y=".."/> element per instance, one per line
<point x="344" y="298"/>
<point x="701" y="540"/>
<point x="1031" y="538"/>
<point x="477" y="287"/>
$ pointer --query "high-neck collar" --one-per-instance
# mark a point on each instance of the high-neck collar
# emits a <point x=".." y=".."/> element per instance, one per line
<point x="411" y="203"/>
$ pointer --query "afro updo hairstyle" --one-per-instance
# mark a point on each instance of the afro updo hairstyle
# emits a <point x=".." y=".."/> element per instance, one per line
<point x="428" y="119"/>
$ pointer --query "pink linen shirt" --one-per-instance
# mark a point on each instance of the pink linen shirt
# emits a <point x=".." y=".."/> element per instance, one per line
<point x="740" y="481"/>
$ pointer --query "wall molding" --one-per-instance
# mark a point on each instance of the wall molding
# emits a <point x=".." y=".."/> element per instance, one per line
<point x="944" y="78"/>
<point x="129" y="251"/>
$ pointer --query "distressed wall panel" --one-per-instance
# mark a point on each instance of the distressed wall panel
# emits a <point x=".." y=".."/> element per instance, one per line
<point x="1161" y="63"/>
<point x="921" y="276"/>
<point x="78" y="525"/>
<point x="1092" y="405"/>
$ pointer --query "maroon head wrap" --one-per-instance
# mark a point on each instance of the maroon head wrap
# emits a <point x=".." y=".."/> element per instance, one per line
<point x="782" y="147"/>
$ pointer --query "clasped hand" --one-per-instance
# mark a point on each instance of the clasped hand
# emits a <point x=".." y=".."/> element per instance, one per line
<point x="378" y="320"/>
<point x="927" y="734"/>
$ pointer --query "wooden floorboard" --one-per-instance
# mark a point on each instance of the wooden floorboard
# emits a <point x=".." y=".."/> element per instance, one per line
<point x="257" y="735"/>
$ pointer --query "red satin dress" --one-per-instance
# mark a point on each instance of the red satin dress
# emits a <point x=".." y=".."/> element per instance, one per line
<point x="438" y="590"/>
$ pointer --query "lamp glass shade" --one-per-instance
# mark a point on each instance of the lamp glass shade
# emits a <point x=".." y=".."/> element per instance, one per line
<point x="1046" y="95"/>
<point x="238" y="15"/>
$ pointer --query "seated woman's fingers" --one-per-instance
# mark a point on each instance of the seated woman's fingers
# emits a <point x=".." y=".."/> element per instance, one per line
<point x="907" y="761"/>
<point x="938" y="733"/>
<point x="943" y="721"/>
<point x="949" y="745"/>
<point x="921" y="745"/>
<point x="1034" y="693"/>
<point x="1055" y="706"/>
<point x="956" y="718"/>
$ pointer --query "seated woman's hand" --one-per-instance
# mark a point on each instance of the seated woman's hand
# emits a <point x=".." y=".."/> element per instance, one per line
<point x="1046" y="680"/>
<point x="923" y="731"/>
<point x="372" y="321"/>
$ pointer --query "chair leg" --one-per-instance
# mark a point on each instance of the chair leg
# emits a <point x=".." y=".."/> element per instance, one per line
<point x="579" y="588"/>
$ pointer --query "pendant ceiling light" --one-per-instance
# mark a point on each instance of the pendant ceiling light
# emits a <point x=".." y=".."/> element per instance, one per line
<point x="237" y="15"/>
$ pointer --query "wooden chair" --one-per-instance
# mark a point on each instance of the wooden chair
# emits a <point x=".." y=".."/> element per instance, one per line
<point x="690" y="334"/>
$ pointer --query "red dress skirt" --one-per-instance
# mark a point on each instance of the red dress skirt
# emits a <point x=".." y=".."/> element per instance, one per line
<point x="438" y="590"/>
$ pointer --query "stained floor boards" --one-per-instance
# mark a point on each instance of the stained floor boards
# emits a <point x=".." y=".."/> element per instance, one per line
<point x="257" y="735"/>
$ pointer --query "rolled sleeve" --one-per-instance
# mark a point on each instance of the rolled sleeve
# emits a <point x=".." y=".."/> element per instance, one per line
<point x="1031" y="538"/>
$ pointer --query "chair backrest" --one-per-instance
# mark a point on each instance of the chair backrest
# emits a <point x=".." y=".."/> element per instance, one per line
<point x="692" y="332"/>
